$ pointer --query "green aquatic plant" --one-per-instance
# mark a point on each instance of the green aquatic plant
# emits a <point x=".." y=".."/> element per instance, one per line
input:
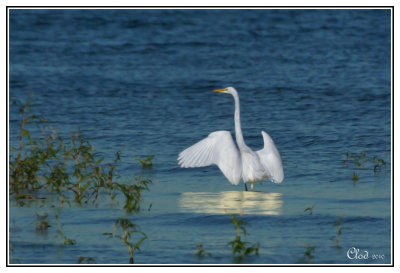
<point x="23" y="167"/>
<point x="69" y="241"/>
<point x="355" y="177"/>
<point x="239" y="247"/>
<point x="339" y="228"/>
<point x="133" y="199"/>
<point x="60" y="166"/>
<point x="63" y="165"/>
<point x="146" y="163"/>
<point x="379" y="163"/>
<point x="86" y="260"/>
<point x="359" y="162"/>
<point x="133" y="193"/>
<point x="87" y="175"/>
<point x="71" y="168"/>
<point x="66" y="240"/>
<point x="200" y="252"/>
<point x="310" y="209"/>
<point x="346" y="161"/>
<point x="81" y="177"/>
<point x="42" y="223"/>
<point x="308" y="254"/>
<point x="127" y="229"/>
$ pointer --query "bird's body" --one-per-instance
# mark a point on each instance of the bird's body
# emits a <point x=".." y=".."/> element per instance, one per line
<point x="235" y="162"/>
<point x="252" y="169"/>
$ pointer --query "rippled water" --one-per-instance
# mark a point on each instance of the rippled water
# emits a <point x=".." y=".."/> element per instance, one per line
<point x="140" y="82"/>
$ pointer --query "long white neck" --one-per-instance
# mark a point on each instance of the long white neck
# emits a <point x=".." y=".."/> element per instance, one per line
<point x="238" y="128"/>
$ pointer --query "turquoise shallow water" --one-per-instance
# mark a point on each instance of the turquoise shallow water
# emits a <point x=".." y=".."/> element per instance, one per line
<point x="141" y="81"/>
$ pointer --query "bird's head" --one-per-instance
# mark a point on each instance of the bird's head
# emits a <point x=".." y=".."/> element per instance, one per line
<point x="228" y="90"/>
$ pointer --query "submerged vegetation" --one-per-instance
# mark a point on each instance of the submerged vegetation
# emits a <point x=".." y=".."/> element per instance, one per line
<point x="362" y="162"/>
<point x="65" y="167"/>
<point x="378" y="164"/>
<point x="146" y="163"/>
<point x="71" y="169"/>
<point x="62" y="166"/>
<point x="86" y="260"/>
<point x="239" y="247"/>
<point x="339" y="228"/>
<point x="128" y="228"/>
<point x="308" y="254"/>
<point x="309" y="209"/>
<point x="200" y="252"/>
<point x="42" y="222"/>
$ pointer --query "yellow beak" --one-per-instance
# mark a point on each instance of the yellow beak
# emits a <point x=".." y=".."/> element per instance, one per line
<point x="221" y="90"/>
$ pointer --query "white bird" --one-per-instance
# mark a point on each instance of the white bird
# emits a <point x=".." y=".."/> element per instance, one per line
<point x="219" y="149"/>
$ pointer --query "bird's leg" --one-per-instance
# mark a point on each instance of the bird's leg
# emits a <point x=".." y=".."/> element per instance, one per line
<point x="252" y="184"/>
<point x="245" y="187"/>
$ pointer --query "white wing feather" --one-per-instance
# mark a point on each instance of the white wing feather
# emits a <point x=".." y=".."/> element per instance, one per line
<point x="271" y="159"/>
<point x="219" y="149"/>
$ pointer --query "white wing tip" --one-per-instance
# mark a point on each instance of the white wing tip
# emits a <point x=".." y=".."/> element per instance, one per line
<point x="181" y="161"/>
<point x="279" y="179"/>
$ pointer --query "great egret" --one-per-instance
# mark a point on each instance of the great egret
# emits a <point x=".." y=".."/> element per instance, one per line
<point x="219" y="149"/>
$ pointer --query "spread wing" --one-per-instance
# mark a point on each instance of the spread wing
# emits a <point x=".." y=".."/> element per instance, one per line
<point x="271" y="159"/>
<point x="219" y="149"/>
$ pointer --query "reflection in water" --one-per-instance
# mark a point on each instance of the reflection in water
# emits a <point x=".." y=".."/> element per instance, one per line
<point x="232" y="202"/>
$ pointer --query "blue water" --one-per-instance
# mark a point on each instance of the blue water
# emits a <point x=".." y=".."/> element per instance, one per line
<point x="141" y="81"/>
